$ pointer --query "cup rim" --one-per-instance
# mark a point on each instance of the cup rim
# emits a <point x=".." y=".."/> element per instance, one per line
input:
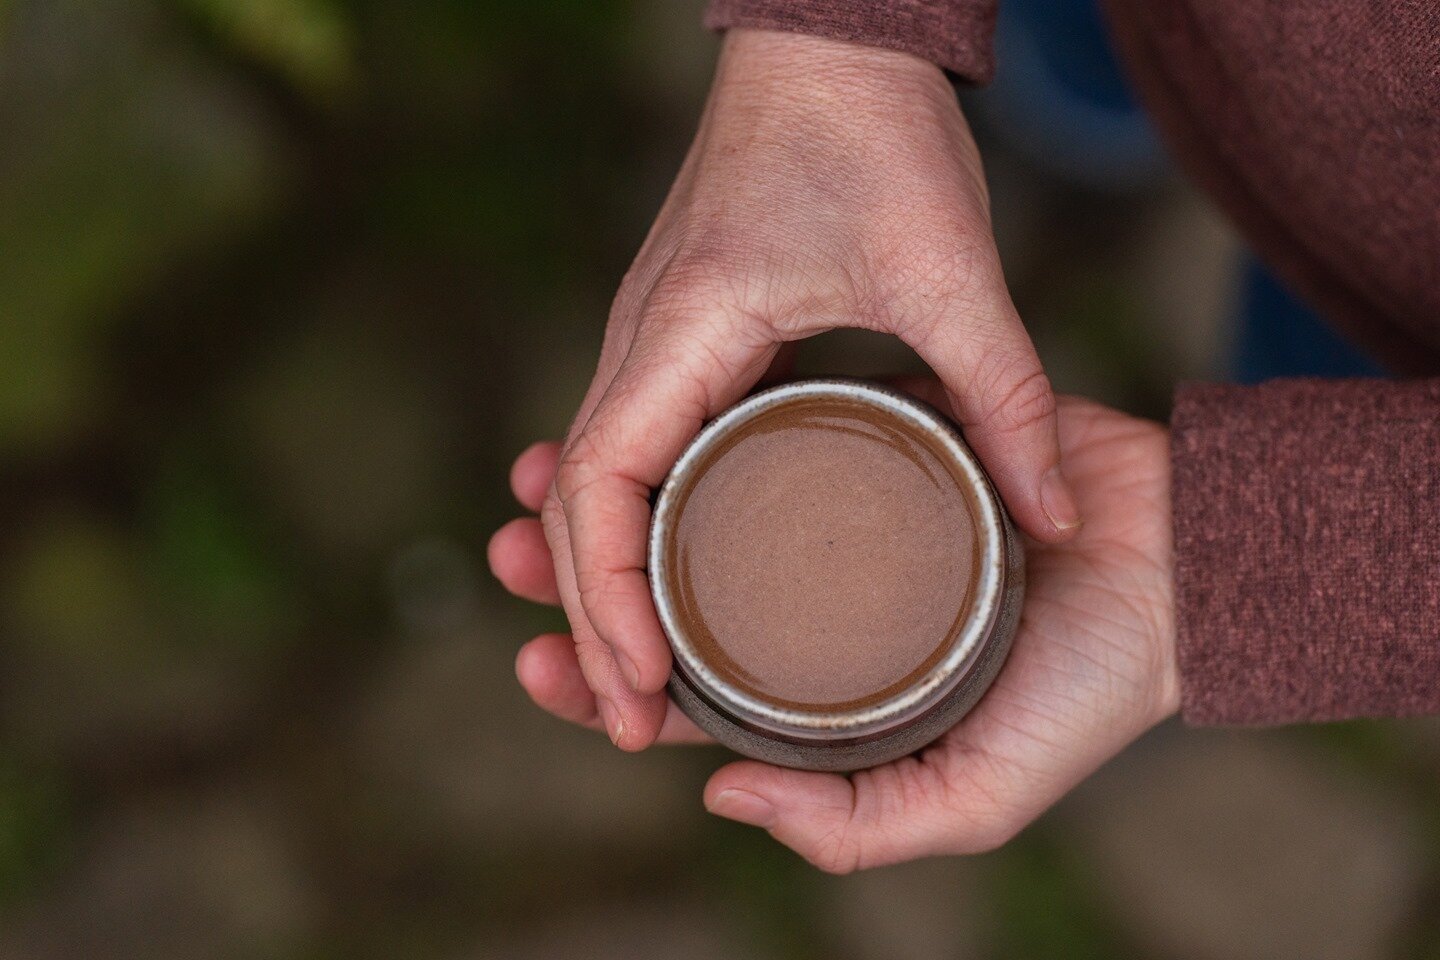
<point x="944" y="676"/>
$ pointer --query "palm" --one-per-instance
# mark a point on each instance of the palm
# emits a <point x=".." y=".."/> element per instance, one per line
<point x="1092" y="664"/>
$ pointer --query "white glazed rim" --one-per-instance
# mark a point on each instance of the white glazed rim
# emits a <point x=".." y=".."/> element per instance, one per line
<point x="944" y="676"/>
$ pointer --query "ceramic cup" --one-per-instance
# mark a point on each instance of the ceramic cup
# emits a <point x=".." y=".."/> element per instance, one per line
<point x="861" y="728"/>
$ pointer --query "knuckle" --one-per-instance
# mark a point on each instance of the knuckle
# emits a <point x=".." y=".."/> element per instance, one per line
<point x="1022" y="398"/>
<point x="576" y="469"/>
<point x="690" y="304"/>
<point x="595" y="658"/>
<point x="674" y="297"/>
<point x="696" y="265"/>
<point x="594" y="589"/>
<point x="698" y="274"/>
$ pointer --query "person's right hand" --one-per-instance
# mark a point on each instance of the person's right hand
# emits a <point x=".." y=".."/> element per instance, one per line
<point x="830" y="185"/>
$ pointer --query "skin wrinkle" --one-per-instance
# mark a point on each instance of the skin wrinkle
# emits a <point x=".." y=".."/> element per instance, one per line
<point x="852" y="302"/>
<point x="838" y="851"/>
<point x="1106" y="640"/>
<point x="923" y="787"/>
<point x="891" y="804"/>
<point x="775" y="266"/>
<point x="876" y="803"/>
<point x="953" y="759"/>
<point x="1027" y="402"/>
<point x="1048" y="719"/>
<point x="1070" y="699"/>
<point x="841" y="849"/>
<point x="934" y="300"/>
<point x="694" y="417"/>
<point x="989" y="824"/>
<point x="701" y="386"/>
<point x="596" y="582"/>
<point x="948" y="268"/>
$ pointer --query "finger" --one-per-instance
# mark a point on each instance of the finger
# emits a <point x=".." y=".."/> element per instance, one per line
<point x="811" y="813"/>
<point x="679" y="728"/>
<point x="894" y="812"/>
<point x="546" y="667"/>
<point x="548" y="670"/>
<point x="633" y="720"/>
<point x="520" y="560"/>
<point x="657" y="402"/>
<point x="533" y="472"/>
<point x="1005" y="406"/>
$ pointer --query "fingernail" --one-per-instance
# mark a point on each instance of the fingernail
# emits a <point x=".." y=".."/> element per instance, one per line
<point x="744" y="806"/>
<point x="628" y="668"/>
<point x="614" y="723"/>
<point x="1055" y="498"/>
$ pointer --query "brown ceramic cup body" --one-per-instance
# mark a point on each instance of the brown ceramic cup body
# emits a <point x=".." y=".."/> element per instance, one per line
<point x="902" y="721"/>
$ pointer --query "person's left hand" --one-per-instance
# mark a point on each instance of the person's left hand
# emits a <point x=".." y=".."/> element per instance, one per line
<point x="1092" y="668"/>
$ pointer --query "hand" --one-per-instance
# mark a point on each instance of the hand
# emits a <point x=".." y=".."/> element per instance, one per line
<point x="1092" y="668"/>
<point x="829" y="185"/>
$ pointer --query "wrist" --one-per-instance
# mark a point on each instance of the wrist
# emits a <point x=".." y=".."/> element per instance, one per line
<point x="812" y="69"/>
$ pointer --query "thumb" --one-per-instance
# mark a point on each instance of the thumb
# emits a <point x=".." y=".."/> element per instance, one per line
<point x="898" y="811"/>
<point x="811" y="813"/>
<point x="1003" y="401"/>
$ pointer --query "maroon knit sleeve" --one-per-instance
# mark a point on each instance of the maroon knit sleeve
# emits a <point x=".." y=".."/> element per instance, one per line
<point x="955" y="34"/>
<point x="1307" y="544"/>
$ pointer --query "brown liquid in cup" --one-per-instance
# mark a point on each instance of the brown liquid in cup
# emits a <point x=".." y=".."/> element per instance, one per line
<point x="824" y="558"/>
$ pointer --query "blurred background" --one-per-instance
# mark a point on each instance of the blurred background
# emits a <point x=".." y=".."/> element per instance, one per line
<point x="284" y="287"/>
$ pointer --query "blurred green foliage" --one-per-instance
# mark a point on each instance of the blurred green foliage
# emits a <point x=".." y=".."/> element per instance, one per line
<point x="35" y="812"/>
<point x="1046" y="904"/>
<point x="310" y="43"/>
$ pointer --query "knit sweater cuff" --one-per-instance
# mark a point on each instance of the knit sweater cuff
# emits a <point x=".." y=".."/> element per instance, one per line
<point x="1307" y="539"/>
<point x="954" y="34"/>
